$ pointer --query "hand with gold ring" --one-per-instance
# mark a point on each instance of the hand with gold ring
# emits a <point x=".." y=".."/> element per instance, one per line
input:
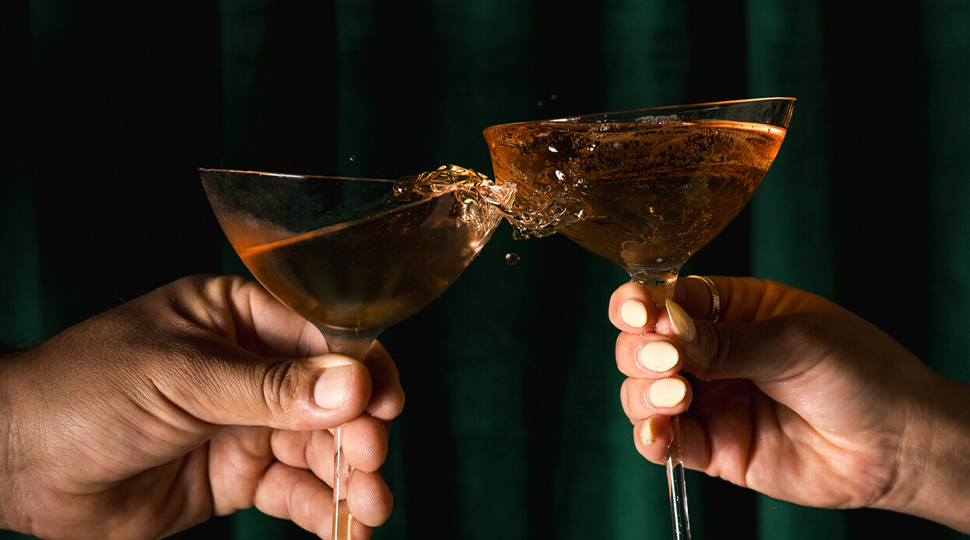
<point x="794" y="397"/>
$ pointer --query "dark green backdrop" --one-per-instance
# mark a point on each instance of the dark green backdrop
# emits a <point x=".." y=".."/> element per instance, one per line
<point x="513" y="427"/>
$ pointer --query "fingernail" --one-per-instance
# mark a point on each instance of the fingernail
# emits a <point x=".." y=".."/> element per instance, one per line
<point x="648" y="432"/>
<point x="680" y="322"/>
<point x="332" y="386"/>
<point x="634" y="313"/>
<point x="658" y="356"/>
<point x="667" y="392"/>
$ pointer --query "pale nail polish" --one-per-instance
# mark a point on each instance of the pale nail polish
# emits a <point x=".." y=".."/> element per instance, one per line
<point x="634" y="313"/>
<point x="648" y="432"/>
<point x="332" y="387"/>
<point x="680" y="322"/>
<point x="658" y="356"/>
<point x="667" y="392"/>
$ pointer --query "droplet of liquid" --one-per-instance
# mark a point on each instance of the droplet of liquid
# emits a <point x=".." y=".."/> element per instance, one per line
<point x="511" y="259"/>
<point x="353" y="158"/>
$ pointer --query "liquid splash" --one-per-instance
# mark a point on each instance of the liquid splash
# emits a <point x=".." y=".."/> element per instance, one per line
<point x="532" y="214"/>
<point x="484" y="202"/>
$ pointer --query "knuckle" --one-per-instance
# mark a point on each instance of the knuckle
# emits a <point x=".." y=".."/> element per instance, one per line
<point x="280" y="387"/>
<point x="722" y="349"/>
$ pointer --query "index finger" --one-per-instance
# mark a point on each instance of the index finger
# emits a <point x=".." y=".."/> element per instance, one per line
<point x="742" y="299"/>
<point x="387" y="395"/>
<point x="632" y="309"/>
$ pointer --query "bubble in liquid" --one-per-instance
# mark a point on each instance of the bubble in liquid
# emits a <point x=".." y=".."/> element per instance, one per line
<point x="512" y="259"/>
<point x="472" y="214"/>
<point x="353" y="158"/>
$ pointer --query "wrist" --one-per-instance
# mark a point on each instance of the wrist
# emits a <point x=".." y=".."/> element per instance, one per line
<point x="12" y="455"/>
<point x="933" y="465"/>
<point x="8" y="507"/>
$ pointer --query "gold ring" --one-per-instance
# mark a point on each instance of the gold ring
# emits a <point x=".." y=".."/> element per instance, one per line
<point x="715" y="313"/>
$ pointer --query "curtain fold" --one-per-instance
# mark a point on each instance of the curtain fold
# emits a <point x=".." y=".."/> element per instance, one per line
<point x="946" y="44"/>
<point x="513" y="426"/>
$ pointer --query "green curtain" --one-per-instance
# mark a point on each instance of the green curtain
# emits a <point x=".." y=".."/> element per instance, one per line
<point x="513" y="427"/>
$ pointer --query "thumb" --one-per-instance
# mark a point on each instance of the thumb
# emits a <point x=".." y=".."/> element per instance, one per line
<point x="763" y="351"/>
<point x="237" y="387"/>
<point x="770" y="331"/>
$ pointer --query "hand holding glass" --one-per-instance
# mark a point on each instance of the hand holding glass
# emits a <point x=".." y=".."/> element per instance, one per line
<point x="354" y="256"/>
<point x="644" y="189"/>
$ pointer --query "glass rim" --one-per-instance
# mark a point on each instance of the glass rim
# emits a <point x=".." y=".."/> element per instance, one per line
<point x="630" y="112"/>
<point x="204" y="170"/>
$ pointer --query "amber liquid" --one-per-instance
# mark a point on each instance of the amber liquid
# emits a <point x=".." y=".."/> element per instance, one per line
<point x="356" y="278"/>
<point x="643" y="194"/>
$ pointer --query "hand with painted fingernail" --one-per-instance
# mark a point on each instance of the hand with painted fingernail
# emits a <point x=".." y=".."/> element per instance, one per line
<point x="794" y="397"/>
<point x="653" y="392"/>
<point x="201" y="398"/>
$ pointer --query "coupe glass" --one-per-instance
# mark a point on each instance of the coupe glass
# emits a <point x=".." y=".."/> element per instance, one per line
<point x="354" y="256"/>
<point x="644" y="189"/>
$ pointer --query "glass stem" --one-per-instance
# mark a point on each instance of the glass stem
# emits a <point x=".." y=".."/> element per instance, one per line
<point x="661" y="286"/>
<point x="677" y="484"/>
<point x="343" y="520"/>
